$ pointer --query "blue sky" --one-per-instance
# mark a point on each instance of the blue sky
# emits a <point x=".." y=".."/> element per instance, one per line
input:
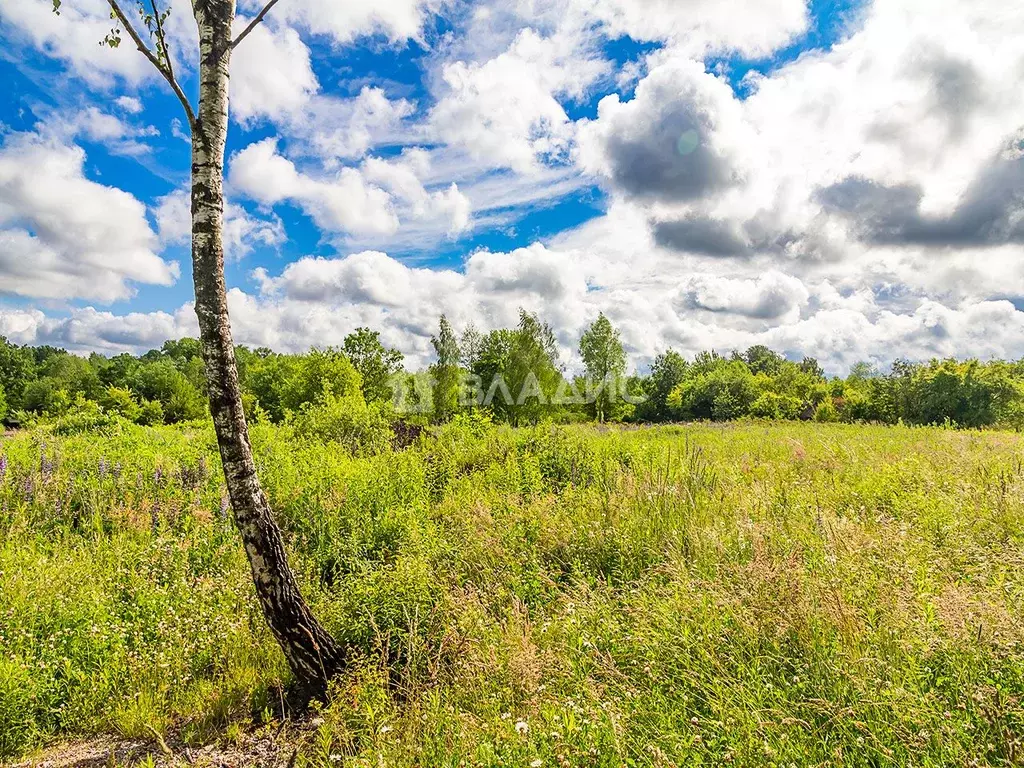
<point x="387" y="165"/>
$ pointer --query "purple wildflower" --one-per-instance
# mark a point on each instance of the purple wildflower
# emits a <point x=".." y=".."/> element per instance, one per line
<point x="3" y="467"/>
<point x="102" y="466"/>
<point x="117" y="471"/>
<point x="223" y="507"/>
<point x="158" y="475"/>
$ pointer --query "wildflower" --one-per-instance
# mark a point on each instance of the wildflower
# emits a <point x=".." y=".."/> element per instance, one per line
<point x="3" y="467"/>
<point x="102" y="467"/>
<point x="537" y="763"/>
<point x="158" y="475"/>
<point x="224" y="507"/>
<point x="522" y="727"/>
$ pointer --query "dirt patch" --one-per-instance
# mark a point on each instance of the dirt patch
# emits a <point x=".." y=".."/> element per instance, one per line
<point x="251" y="751"/>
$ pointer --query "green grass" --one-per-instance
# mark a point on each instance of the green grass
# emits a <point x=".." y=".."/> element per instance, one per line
<point x="749" y="594"/>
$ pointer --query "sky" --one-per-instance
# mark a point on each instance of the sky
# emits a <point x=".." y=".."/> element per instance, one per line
<point x="842" y="179"/>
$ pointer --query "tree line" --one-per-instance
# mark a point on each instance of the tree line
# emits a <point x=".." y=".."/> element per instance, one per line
<point x="514" y="375"/>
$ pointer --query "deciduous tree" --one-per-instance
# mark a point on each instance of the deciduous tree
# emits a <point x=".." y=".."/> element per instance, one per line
<point x="376" y="363"/>
<point x="446" y="372"/>
<point x="605" y="359"/>
<point x="313" y="655"/>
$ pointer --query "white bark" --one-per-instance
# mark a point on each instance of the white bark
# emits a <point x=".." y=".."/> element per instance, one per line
<point x="313" y="655"/>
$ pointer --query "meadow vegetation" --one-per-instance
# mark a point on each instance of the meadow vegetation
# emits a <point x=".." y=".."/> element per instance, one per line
<point x="751" y="593"/>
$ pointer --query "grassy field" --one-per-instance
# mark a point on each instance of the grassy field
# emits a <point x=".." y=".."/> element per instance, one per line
<point x="747" y="594"/>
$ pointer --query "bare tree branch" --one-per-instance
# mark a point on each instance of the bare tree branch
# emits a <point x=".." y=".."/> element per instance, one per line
<point x="253" y="23"/>
<point x="166" y="71"/>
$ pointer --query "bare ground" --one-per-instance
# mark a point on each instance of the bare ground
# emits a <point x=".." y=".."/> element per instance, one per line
<point x="252" y="751"/>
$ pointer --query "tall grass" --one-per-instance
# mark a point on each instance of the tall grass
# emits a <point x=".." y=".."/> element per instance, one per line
<point x="748" y="594"/>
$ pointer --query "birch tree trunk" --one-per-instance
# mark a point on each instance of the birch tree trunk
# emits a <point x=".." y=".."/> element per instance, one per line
<point x="313" y="655"/>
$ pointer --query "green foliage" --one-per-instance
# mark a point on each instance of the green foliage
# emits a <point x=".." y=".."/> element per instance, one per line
<point x="317" y="373"/>
<point x="515" y="375"/>
<point x="722" y="390"/>
<point x="364" y="429"/>
<point x="605" y="361"/>
<point x="470" y="346"/>
<point x="86" y="416"/>
<point x="667" y="372"/>
<point x="46" y="396"/>
<point x="375" y="363"/>
<point x="762" y="360"/>
<point x="446" y="372"/>
<point x="161" y="381"/>
<point x="121" y="402"/>
<point x="826" y="412"/>
<point x="771" y="405"/>
<point x="151" y="413"/>
<point x="268" y="379"/>
<point x="17" y="369"/>
<point x="519" y="369"/>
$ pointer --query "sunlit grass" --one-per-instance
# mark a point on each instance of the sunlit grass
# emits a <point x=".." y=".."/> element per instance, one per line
<point x="751" y="594"/>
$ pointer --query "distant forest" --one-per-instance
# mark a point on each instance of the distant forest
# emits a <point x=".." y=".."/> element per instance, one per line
<point x="511" y="375"/>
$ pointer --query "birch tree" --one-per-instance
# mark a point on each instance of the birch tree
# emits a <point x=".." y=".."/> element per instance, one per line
<point x="602" y="353"/>
<point x="313" y="655"/>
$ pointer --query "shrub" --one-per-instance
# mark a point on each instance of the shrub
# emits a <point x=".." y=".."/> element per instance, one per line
<point x="178" y="397"/>
<point x="771" y="405"/>
<point x="46" y="396"/>
<point x="319" y="372"/>
<point x="86" y="416"/>
<point x="151" y="413"/>
<point x="826" y="411"/>
<point x="120" y="401"/>
<point x="363" y="429"/>
<point x="725" y="391"/>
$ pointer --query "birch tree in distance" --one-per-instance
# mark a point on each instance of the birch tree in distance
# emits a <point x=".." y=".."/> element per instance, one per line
<point x="313" y="655"/>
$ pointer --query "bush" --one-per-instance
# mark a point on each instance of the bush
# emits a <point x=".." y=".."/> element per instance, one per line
<point x="726" y="391"/>
<point x="120" y="401"/>
<point x="46" y="396"/>
<point x="363" y="429"/>
<point x="318" y="372"/>
<point x="178" y="397"/>
<point x="151" y="413"/>
<point x="774" y="406"/>
<point x="86" y="416"/>
<point x="826" y="411"/>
